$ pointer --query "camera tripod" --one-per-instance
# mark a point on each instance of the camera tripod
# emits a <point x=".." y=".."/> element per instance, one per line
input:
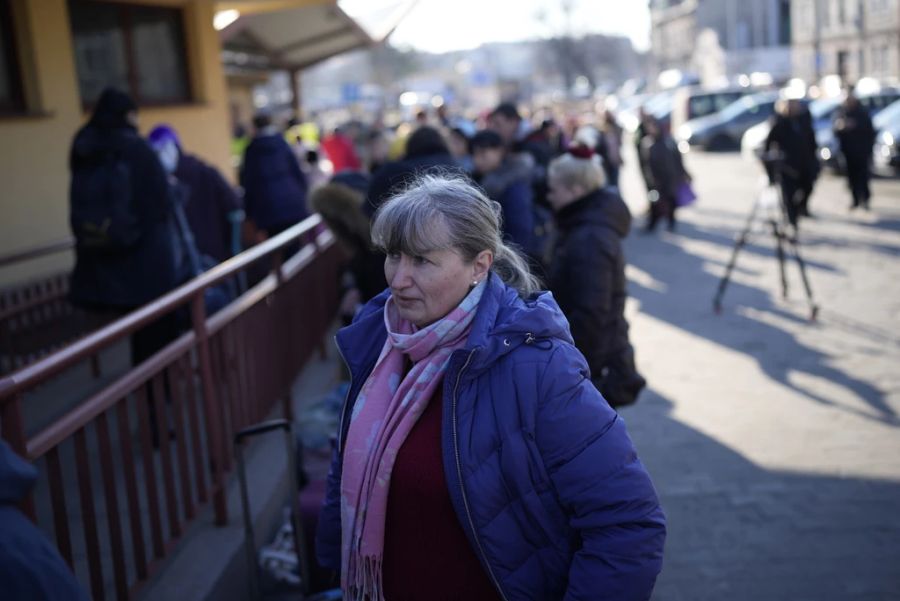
<point x="770" y="211"/>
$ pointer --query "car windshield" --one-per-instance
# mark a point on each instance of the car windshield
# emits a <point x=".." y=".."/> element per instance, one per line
<point x="889" y="116"/>
<point x="739" y="107"/>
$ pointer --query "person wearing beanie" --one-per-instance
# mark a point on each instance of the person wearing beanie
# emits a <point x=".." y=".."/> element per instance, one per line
<point x="120" y="214"/>
<point x="212" y="207"/>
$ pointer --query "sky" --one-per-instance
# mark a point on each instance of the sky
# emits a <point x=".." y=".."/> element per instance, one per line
<point x="446" y="25"/>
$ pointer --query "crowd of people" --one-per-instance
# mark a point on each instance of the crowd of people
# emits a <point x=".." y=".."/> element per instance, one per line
<point x="436" y="216"/>
<point x="555" y="190"/>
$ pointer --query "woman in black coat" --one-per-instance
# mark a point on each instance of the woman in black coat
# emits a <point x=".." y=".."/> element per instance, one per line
<point x="665" y="172"/>
<point x="588" y="273"/>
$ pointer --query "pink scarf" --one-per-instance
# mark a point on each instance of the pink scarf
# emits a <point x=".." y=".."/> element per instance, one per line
<point x="386" y="409"/>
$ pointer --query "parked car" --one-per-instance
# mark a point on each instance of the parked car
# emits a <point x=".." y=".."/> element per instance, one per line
<point x="694" y="102"/>
<point x="886" y="154"/>
<point x="723" y="130"/>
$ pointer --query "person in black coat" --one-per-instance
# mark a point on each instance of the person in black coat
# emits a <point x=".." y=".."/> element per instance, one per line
<point x="274" y="185"/>
<point x="856" y="135"/>
<point x="792" y="136"/>
<point x="116" y="278"/>
<point x="587" y="277"/>
<point x="665" y="172"/>
<point x="129" y="275"/>
<point x="426" y="151"/>
<point x="31" y="568"/>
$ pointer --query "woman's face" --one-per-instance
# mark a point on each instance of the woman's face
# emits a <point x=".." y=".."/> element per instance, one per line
<point x="426" y="288"/>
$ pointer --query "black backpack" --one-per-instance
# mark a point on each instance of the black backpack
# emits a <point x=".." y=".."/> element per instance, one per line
<point x="101" y="211"/>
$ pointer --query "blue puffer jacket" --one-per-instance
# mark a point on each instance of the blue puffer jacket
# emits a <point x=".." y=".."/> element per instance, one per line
<point x="542" y="474"/>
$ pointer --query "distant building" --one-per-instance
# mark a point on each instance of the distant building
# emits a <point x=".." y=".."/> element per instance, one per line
<point x="754" y="35"/>
<point x="848" y="38"/>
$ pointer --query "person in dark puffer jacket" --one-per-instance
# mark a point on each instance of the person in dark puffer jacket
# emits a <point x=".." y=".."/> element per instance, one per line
<point x="507" y="179"/>
<point x="475" y="459"/>
<point x="274" y="186"/>
<point x="588" y="273"/>
<point x="111" y="282"/>
<point x="128" y="277"/>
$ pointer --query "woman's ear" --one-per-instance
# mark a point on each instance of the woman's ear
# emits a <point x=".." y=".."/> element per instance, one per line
<point x="482" y="265"/>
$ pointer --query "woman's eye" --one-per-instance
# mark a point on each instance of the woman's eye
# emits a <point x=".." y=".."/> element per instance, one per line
<point x="420" y="260"/>
<point x="393" y="256"/>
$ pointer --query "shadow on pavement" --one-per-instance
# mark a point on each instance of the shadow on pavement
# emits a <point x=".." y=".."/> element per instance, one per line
<point x="682" y="294"/>
<point x="761" y="243"/>
<point x="740" y="532"/>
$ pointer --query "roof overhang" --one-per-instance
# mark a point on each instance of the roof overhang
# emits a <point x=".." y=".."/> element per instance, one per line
<point x="287" y="34"/>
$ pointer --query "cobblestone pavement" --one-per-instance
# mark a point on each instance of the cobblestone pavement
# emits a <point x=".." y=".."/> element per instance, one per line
<point x="774" y="442"/>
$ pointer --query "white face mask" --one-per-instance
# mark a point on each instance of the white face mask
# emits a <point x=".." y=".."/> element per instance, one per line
<point x="168" y="156"/>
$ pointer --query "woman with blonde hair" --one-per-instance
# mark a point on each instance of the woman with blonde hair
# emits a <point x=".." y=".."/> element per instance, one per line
<point x="474" y="458"/>
<point x="588" y="273"/>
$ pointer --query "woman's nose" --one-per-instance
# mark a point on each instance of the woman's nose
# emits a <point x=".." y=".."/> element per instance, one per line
<point x="401" y="278"/>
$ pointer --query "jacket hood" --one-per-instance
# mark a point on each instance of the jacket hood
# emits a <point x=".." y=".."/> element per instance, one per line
<point x="602" y="208"/>
<point x="269" y="143"/>
<point x="111" y="110"/>
<point x="504" y="321"/>
<point x="17" y="476"/>
<point x="92" y="141"/>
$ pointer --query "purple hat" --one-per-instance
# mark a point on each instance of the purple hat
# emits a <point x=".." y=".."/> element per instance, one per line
<point x="161" y="134"/>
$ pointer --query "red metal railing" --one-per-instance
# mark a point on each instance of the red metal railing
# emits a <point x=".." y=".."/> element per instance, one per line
<point x="35" y="316"/>
<point x="230" y="370"/>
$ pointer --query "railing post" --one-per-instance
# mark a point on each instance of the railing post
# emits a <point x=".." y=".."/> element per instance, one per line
<point x="286" y="401"/>
<point x="13" y="430"/>
<point x="213" y="421"/>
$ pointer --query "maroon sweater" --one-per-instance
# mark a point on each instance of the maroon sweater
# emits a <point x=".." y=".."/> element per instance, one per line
<point x="426" y="552"/>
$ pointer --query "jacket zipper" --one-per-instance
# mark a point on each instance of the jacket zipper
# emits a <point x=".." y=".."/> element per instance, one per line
<point x="340" y="439"/>
<point x="460" y="476"/>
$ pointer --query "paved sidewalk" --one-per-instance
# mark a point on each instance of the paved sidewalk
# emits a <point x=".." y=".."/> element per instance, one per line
<point x="774" y="442"/>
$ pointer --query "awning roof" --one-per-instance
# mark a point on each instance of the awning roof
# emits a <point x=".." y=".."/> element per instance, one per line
<point x="295" y="34"/>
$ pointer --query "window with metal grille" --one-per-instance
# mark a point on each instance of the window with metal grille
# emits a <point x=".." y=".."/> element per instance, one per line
<point x="136" y="48"/>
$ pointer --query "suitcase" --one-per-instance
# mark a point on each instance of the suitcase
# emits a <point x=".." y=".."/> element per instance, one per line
<point x="295" y="517"/>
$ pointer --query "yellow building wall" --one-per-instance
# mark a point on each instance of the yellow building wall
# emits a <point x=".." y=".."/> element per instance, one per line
<point x="34" y="149"/>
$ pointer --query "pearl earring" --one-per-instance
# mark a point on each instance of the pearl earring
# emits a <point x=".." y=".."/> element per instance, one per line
<point x="474" y="282"/>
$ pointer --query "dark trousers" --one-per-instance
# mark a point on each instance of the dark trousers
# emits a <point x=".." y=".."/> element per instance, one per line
<point x="795" y="193"/>
<point x="664" y="206"/>
<point x="153" y="337"/>
<point x="145" y="343"/>
<point x="858" y="177"/>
